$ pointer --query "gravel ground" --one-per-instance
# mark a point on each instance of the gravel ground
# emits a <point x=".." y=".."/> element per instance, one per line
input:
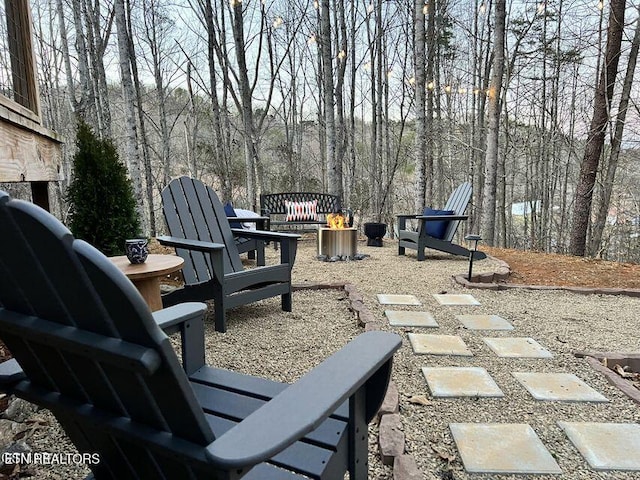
<point x="262" y="340"/>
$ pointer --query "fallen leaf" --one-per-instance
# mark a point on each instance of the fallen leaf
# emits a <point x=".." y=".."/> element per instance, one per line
<point x="622" y="372"/>
<point x="449" y="457"/>
<point x="420" y="400"/>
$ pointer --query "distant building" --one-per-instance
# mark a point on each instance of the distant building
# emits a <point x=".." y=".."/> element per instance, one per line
<point x="525" y="208"/>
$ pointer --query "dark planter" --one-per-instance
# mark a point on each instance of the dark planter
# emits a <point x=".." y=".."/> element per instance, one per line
<point x="374" y="232"/>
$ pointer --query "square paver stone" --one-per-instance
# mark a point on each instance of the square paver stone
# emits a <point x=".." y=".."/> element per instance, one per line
<point x="502" y="448"/>
<point x="517" y="347"/>
<point x="561" y="387"/>
<point x="461" y="382"/>
<point x="606" y="446"/>
<point x="452" y="299"/>
<point x="385" y="299"/>
<point x="484" y="322"/>
<point x="405" y="318"/>
<point x="423" y="343"/>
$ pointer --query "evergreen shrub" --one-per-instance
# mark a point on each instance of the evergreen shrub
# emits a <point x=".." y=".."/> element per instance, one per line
<point x="101" y="201"/>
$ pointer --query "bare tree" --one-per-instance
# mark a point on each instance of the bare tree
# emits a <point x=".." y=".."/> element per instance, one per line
<point x="488" y="220"/>
<point x="334" y="171"/>
<point x="129" y="95"/>
<point x="616" y="142"/>
<point x="420" y="104"/>
<point x="597" y="130"/>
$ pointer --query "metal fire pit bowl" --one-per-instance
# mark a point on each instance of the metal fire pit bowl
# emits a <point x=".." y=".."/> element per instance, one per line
<point x="333" y="242"/>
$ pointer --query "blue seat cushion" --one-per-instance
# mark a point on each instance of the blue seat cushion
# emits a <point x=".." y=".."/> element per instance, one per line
<point x="437" y="229"/>
<point x="230" y="212"/>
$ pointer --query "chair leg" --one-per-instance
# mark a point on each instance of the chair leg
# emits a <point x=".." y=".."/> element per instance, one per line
<point x="400" y="250"/>
<point x="421" y="255"/>
<point x="358" y="437"/>
<point x="287" y="302"/>
<point x="261" y="259"/>
<point x="251" y="254"/>
<point x="220" y="319"/>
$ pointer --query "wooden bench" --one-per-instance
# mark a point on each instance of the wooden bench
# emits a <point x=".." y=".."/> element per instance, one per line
<point x="274" y="206"/>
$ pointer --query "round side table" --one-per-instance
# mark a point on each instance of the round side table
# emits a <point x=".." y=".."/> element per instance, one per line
<point x="146" y="276"/>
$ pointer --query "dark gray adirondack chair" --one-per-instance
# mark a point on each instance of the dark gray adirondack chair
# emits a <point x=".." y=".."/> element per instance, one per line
<point x="199" y="230"/>
<point x="419" y="240"/>
<point x="86" y="347"/>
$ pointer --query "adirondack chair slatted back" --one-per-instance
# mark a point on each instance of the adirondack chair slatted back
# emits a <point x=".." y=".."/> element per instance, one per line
<point x="83" y="335"/>
<point x="192" y="210"/>
<point x="458" y="202"/>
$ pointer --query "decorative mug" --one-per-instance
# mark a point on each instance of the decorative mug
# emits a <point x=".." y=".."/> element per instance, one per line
<point x="137" y="250"/>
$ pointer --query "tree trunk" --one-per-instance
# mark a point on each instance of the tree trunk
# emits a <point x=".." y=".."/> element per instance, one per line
<point x="595" y="140"/>
<point x="250" y="141"/>
<point x="83" y="106"/>
<point x="133" y="158"/>
<point x="420" y="104"/>
<point x="219" y="154"/>
<point x="146" y="156"/>
<point x="341" y="134"/>
<point x="333" y="171"/>
<point x="66" y="56"/>
<point x="154" y="29"/>
<point x="432" y="85"/>
<point x="607" y="187"/>
<point x="493" y="131"/>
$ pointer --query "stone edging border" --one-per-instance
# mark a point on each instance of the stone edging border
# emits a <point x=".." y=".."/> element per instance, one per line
<point x="391" y="440"/>
<point x="595" y="359"/>
<point x="497" y="281"/>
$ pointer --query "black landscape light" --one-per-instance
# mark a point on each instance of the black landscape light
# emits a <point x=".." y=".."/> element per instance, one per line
<point x="476" y="239"/>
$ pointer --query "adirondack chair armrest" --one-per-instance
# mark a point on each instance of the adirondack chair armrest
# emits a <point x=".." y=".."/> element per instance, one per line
<point x="304" y="405"/>
<point x="445" y="218"/>
<point x="256" y="220"/>
<point x="188" y="320"/>
<point x="169" y="319"/>
<point x="288" y="242"/>
<point x="402" y="220"/>
<point x="187" y="244"/>
<point x="10" y="373"/>
<point x="265" y="235"/>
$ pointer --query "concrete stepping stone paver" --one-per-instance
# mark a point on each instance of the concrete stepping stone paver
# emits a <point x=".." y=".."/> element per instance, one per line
<point x="561" y="387"/>
<point x="502" y="448"/>
<point x="484" y="322"/>
<point x="455" y="299"/>
<point x="423" y="343"/>
<point x="406" y="318"/>
<point x="386" y="299"/>
<point x="461" y="382"/>
<point x="606" y="446"/>
<point x="516" y="347"/>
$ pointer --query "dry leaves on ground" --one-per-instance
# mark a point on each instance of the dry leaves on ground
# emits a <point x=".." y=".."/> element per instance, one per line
<point x="536" y="268"/>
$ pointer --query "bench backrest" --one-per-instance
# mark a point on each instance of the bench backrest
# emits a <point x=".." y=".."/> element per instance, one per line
<point x="274" y="203"/>
<point x="92" y="353"/>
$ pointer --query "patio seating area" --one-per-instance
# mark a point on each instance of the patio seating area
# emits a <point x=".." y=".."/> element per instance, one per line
<point x="262" y="340"/>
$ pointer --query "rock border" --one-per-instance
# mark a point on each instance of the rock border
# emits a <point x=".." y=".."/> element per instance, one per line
<point x="597" y="359"/>
<point x="391" y="439"/>
<point x="497" y="281"/>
